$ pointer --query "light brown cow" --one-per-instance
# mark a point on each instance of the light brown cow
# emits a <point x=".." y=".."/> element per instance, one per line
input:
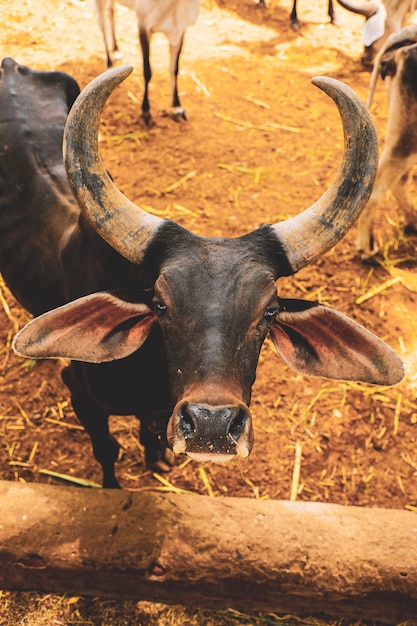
<point x="397" y="64"/>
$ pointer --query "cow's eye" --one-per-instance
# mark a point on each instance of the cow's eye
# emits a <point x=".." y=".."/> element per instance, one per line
<point x="160" y="308"/>
<point x="270" y="313"/>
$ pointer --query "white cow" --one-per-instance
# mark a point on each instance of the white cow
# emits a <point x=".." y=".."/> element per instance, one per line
<point x="170" y="17"/>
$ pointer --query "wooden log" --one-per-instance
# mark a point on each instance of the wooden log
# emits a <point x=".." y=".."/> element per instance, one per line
<point x="287" y="557"/>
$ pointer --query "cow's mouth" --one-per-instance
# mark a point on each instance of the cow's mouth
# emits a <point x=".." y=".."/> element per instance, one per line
<point x="204" y="457"/>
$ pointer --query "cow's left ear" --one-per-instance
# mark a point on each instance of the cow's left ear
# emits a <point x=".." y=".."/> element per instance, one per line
<point x="318" y="341"/>
<point x="95" y="329"/>
<point x="374" y="27"/>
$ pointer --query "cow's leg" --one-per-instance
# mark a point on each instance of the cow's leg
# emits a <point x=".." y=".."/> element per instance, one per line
<point x="111" y="22"/>
<point x="365" y="242"/>
<point x="332" y="13"/>
<point x="102" y="13"/>
<point x="95" y="422"/>
<point x="390" y="171"/>
<point x="293" y="17"/>
<point x="175" y="51"/>
<point x="105" y="447"/>
<point x="401" y="191"/>
<point x="144" y="40"/>
<point x="158" y="456"/>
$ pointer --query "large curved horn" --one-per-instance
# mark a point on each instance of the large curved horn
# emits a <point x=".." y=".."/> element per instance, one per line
<point x="405" y="37"/>
<point x="310" y="234"/>
<point x="126" y="227"/>
<point x="360" y="7"/>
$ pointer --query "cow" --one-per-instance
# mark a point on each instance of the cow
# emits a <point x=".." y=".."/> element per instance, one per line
<point x="382" y="18"/>
<point x="157" y="321"/>
<point x="295" y="24"/>
<point x="170" y="17"/>
<point x="396" y="63"/>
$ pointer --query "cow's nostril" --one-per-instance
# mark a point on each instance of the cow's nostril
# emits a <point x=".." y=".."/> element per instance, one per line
<point x="238" y="425"/>
<point x="187" y="423"/>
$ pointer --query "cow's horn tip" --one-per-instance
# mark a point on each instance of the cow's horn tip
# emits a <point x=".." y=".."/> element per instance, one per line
<point x="318" y="81"/>
<point x="123" y="70"/>
<point x="113" y="76"/>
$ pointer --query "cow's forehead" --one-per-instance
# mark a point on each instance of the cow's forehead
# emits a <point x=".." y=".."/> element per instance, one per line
<point x="216" y="260"/>
<point x="192" y="256"/>
<point x="218" y="276"/>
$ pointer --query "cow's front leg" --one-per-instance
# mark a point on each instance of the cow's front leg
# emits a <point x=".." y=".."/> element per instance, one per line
<point x="389" y="170"/>
<point x="175" y="51"/>
<point x="95" y="422"/>
<point x="332" y="13"/>
<point x="401" y="192"/>
<point x="365" y="242"/>
<point x="144" y="40"/>
<point x="105" y="446"/>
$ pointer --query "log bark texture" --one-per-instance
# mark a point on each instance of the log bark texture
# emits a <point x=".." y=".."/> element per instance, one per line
<point x="296" y="557"/>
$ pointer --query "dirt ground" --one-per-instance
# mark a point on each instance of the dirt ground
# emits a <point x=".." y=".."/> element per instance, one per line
<point x="260" y="144"/>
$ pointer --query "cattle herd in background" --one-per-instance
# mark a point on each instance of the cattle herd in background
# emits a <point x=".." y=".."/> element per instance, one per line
<point x="390" y="48"/>
<point x="384" y="19"/>
<point x="123" y="294"/>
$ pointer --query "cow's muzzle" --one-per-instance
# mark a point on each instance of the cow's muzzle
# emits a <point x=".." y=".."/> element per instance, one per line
<point x="211" y="433"/>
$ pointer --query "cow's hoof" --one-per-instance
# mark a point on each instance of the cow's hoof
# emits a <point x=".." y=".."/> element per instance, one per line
<point x="111" y="483"/>
<point x="369" y="257"/>
<point x="147" y="119"/>
<point x="164" y="462"/>
<point x="177" y="114"/>
<point x="366" y="248"/>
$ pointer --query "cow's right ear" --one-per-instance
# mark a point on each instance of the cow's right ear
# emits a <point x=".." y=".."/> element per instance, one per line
<point x="96" y="328"/>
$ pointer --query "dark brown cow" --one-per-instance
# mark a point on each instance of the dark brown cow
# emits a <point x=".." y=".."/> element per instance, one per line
<point x="179" y="342"/>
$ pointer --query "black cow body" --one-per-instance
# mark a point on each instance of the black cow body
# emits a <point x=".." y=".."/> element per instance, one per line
<point x="62" y="257"/>
<point x="173" y="323"/>
<point x="35" y="170"/>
